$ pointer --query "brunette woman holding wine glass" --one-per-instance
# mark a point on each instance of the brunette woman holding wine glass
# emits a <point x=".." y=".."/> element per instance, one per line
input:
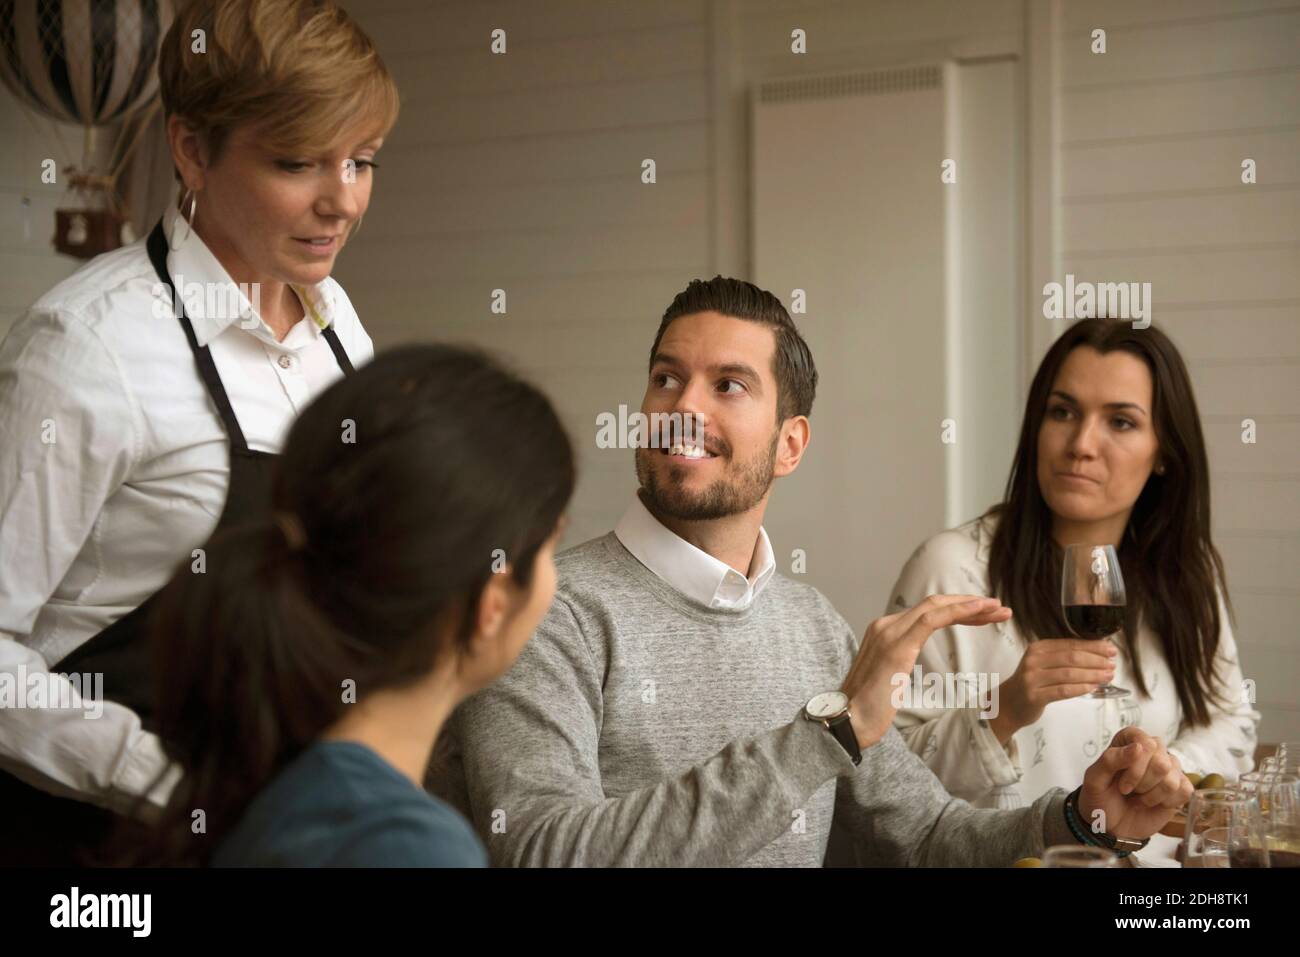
<point x="1110" y="458"/>
<point x="1093" y="598"/>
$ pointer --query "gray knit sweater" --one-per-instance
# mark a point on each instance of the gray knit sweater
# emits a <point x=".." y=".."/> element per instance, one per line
<point x="642" y="728"/>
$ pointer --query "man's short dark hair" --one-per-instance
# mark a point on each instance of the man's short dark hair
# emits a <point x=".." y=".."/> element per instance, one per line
<point x="792" y="363"/>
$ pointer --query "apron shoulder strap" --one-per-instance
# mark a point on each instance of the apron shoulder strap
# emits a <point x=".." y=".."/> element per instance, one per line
<point x="337" y="348"/>
<point x="157" y="246"/>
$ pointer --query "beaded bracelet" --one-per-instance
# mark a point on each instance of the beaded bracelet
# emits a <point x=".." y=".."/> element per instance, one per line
<point x="1080" y="830"/>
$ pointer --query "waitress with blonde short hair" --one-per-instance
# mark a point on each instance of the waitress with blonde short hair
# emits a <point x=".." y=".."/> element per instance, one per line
<point x="143" y="400"/>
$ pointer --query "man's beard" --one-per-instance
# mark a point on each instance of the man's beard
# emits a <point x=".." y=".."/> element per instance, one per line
<point x="737" y="491"/>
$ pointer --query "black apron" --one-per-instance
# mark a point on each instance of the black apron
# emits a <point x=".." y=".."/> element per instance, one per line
<point x="37" y="828"/>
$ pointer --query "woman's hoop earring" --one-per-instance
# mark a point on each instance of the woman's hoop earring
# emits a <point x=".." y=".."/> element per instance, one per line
<point x="357" y="228"/>
<point x="189" y="220"/>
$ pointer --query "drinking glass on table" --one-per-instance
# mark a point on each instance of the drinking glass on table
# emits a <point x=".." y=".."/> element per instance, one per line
<point x="1285" y="760"/>
<point x="1093" y="599"/>
<point x="1272" y="787"/>
<point x="1278" y="796"/>
<point x="1071" y="855"/>
<point x="1219" y="818"/>
<point x="1214" y="847"/>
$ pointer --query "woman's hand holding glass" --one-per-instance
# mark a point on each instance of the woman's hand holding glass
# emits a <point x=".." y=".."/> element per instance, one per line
<point x="1050" y="671"/>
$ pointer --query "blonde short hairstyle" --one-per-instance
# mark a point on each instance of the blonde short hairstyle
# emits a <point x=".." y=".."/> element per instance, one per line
<point x="300" y="70"/>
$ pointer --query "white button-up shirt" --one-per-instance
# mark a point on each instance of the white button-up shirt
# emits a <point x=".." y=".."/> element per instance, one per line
<point x="693" y="571"/>
<point x="115" y="466"/>
<point x="1056" y="750"/>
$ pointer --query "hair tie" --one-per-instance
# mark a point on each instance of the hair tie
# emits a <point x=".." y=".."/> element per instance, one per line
<point x="291" y="527"/>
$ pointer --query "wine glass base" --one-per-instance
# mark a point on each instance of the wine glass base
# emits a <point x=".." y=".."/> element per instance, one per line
<point x="1108" y="691"/>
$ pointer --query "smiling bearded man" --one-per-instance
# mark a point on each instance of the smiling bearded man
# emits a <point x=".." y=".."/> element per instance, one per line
<point x="683" y="704"/>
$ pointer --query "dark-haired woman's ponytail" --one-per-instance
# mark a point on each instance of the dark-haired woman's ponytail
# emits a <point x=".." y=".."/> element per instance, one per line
<point x="244" y="667"/>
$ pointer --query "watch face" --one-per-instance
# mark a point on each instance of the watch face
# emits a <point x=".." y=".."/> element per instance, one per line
<point x="828" y="704"/>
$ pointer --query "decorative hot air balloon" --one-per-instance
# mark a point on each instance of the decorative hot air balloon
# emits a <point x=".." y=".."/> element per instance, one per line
<point x="93" y="63"/>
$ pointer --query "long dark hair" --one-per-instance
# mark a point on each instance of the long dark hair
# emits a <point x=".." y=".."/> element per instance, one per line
<point x="405" y="479"/>
<point x="1172" y="572"/>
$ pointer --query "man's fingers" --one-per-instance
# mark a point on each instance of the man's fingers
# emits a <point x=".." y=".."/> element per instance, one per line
<point x="1158" y="768"/>
<point x="971" y="612"/>
<point x="1171" y="789"/>
<point x="1164" y="782"/>
<point x="1114" y="761"/>
<point x="1133" y="751"/>
<point x="907" y="619"/>
<point x="884" y="621"/>
<point x="1127" y="735"/>
<point x="987" y="617"/>
<point x="1130" y="777"/>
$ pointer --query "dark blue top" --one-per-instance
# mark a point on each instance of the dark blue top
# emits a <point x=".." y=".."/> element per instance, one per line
<point x="339" y="804"/>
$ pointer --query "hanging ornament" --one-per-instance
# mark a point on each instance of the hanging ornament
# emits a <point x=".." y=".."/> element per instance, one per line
<point x="92" y="63"/>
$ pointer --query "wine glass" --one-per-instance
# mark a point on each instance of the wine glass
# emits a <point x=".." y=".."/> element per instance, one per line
<point x="1224" y="821"/>
<point x="1278" y="796"/>
<point x="1285" y="760"/>
<point x="1248" y="836"/>
<point x="1272" y="787"/>
<point x="1214" y="846"/>
<point x="1092" y="597"/>
<point x="1077" y="855"/>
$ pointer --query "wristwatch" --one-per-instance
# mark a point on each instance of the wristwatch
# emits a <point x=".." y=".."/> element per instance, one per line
<point x="831" y="709"/>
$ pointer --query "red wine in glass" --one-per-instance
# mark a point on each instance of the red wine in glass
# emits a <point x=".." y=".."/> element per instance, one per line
<point x="1247" y="857"/>
<point x="1094" y="621"/>
<point x="1092" y="597"/>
